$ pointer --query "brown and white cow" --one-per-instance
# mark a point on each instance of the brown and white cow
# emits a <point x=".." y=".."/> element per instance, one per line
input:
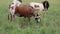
<point x="25" y="11"/>
<point x="43" y="7"/>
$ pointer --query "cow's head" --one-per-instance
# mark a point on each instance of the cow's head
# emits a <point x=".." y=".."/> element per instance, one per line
<point x="46" y="5"/>
<point x="37" y="17"/>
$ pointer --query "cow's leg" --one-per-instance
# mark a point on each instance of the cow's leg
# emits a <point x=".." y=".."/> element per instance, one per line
<point x="11" y="17"/>
<point x="29" y="19"/>
<point x="13" y="14"/>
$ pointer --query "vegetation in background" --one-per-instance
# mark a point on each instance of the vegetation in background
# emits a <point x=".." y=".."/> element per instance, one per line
<point x="50" y="22"/>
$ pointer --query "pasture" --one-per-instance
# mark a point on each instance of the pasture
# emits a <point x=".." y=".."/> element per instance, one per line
<point x="50" y="22"/>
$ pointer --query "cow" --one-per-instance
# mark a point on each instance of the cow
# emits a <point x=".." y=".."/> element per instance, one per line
<point x="43" y="7"/>
<point x="25" y="11"/>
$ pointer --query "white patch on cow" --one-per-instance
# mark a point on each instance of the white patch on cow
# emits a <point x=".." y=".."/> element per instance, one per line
<point x="41" y="7"/>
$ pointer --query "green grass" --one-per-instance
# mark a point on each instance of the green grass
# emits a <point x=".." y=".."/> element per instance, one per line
<point x="50" y="22"/>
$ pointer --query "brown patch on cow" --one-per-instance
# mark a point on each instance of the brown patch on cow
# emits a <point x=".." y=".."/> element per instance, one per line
<point x="24" y="11"/>
<point x="36" y="6"/>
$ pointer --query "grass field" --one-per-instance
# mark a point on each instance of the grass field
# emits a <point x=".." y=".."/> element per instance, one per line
<point x="50" y="22"/>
